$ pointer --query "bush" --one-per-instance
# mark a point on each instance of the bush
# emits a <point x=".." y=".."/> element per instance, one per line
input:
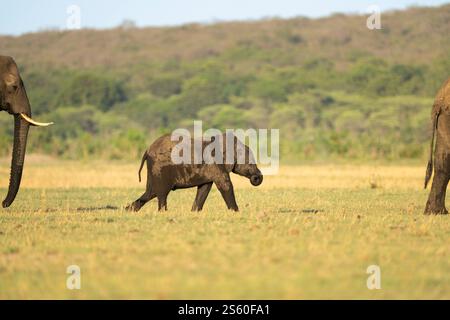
<point x="89" y="88"/>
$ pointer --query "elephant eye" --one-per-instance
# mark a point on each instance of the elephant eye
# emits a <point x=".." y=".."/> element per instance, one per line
<point x="13" y="88"/>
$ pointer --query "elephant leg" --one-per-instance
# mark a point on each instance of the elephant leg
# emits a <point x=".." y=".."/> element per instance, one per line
<point x="162" y="200"/>
<point x="148" y="195"/>
<point x="226" y="189"/>
<point x="139" y="203"/>
<point x="200" y="198"/>
<point x="436" y="199"/>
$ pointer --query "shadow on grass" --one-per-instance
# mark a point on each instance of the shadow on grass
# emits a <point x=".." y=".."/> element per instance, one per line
<point x="107" y="207"/>
<point x="312" y="210"/>
<point x="309" y="210"/>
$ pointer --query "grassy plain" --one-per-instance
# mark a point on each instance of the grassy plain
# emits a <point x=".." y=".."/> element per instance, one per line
<point x="309" y="232"/>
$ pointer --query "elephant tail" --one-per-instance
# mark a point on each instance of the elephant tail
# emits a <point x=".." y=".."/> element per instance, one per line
<point x="430" y="160"/>
<point x="144" y="158"/>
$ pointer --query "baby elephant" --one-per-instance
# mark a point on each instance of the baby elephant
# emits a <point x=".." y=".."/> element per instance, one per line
<point x="164" y="174"/>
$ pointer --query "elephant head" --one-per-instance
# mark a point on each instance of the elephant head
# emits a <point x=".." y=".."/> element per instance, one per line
<point x="244" y="163"/>
<point x="14" y="100"/>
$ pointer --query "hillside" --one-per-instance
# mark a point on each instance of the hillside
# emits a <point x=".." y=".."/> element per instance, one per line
<point x="333" y="87"/>
<point x="417" y="35"/>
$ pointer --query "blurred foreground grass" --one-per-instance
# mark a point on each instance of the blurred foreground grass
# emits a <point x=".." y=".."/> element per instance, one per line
<point x="309" y="232"/>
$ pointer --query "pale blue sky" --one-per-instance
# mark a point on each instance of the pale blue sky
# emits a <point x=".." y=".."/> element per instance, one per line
<point x="21" y="16"/>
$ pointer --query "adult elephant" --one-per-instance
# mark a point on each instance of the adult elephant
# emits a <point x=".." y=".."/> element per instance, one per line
<point x="14" y="100"/>
<point x="441" y="128"/>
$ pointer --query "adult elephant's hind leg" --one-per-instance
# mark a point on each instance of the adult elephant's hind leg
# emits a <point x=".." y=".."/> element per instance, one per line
<point x="436" y="199"/>
<point x="202" y="194"/>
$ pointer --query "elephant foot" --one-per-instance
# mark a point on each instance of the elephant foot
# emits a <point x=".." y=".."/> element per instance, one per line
<point x="430" y="209"/>
<point x="135" y="206"/>
<point x="444" y="211"/>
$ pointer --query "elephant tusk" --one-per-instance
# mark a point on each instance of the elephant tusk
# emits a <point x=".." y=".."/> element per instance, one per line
<point x="35" y="123"/>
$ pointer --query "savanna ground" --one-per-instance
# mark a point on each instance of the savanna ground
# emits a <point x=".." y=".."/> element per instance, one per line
<point x="275" y="247"/>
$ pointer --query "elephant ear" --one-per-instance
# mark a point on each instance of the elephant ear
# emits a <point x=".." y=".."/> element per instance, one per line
<point x="229" y="151"/>
<point x="12" y="77"/>
<point x="11" y="80"/>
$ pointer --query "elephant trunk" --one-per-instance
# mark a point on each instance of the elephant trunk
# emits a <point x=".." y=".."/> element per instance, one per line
<point x="21" y="127"/>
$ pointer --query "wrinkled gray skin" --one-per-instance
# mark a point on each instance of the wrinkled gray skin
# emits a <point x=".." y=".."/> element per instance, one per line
<point x="14" y="100"/>
<point x="441" y="152"/>
<point x="164" y="176"/>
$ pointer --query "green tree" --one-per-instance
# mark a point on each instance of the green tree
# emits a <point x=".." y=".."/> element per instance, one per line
<point x="94" y="89"/>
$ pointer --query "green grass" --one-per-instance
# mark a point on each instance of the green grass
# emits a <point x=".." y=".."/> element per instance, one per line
<point x="271" y="249"/>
